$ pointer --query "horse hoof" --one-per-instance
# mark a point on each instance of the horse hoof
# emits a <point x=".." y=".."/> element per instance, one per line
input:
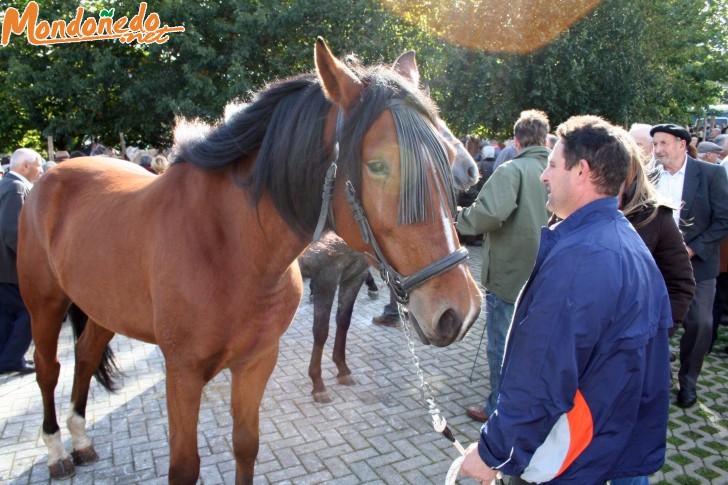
<point x="322" y="397"/>
<point x="85" y="456"/>
<point x="346" y="380"/>
<point x="373" y="294"/>
<point x="62" y="469"/>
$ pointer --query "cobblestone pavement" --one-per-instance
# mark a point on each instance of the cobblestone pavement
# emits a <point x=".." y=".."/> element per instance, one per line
<point x="374" y="432"/>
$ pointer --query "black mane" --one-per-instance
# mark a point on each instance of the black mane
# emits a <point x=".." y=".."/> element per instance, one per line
<point x="285" y="124"/>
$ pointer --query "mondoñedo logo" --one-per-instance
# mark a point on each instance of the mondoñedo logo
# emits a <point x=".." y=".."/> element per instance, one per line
<point x="142" y="28"/>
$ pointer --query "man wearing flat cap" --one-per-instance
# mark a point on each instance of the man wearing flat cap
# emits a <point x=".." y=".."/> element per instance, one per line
<point x="709" y="152"/>
<point x="700" y="192"/>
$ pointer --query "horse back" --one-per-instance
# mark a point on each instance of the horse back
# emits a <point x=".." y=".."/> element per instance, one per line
<point x="331" y="260"/>
<point x="76" y="226"/>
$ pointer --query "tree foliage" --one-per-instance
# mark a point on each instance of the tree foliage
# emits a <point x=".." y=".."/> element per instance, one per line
<point x="627" y="60"/>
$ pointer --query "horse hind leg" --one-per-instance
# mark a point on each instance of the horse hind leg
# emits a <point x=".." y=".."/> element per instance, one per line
<point x="323" y="301"/>
<point x="348" y="291"/>
<point x="91" y="354"/>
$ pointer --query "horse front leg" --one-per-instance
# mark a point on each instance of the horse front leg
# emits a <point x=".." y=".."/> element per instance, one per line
<point x="248" y="385"/>
<point x="323" y="301"/>
<point x="89" y="351"/>
<point x="348" y="291"/>
<point x="185" y="381"/>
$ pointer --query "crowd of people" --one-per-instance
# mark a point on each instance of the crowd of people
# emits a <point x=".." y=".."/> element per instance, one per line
<point x="152" y="159"/>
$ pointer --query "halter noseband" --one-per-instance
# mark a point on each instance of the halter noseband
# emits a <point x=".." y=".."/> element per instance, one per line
<point x="399" y="284"/>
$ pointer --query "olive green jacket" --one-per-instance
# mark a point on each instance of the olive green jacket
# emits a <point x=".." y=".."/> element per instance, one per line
<point x="510" y="211"/>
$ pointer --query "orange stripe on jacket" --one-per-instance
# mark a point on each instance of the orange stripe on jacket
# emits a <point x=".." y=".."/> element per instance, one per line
<point x="581" y="427"/>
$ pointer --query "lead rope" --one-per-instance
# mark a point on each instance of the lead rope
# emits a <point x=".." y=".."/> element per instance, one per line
<point x="439" y="423"/>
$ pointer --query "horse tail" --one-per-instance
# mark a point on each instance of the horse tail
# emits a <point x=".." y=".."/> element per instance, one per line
<point x="108" y="368"/>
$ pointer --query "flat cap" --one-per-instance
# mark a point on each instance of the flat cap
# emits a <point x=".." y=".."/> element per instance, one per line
<point x="61" y="155"/>
<point x="709" y="147"/>
<point x="675" y="130"/>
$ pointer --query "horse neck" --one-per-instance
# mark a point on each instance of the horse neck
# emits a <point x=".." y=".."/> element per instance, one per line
<point x="256" y="233"/>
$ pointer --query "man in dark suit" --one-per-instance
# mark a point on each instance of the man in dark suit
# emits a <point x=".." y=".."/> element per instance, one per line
<point x="700" y="190"/>
<point x="15" y="337"/>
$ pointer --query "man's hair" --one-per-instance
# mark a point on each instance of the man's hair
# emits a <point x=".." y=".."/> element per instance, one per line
<point x="593" y="139"/>
<point x="531" y="128"/>
<point x="23" y="155"/>
<point x="643" y="128"/>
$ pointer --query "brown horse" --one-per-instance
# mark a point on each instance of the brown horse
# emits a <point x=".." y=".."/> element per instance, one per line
<point x="202" y="261"/>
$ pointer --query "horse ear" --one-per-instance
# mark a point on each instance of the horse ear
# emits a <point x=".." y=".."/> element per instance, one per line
<point x="406" y="65"/>
<point x="339" y="83"/>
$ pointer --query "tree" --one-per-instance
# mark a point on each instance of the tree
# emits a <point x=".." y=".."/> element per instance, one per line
<point x="627" y="60"/>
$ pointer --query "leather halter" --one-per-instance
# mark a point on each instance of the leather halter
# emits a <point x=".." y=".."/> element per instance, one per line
<point x="400" y="285"/>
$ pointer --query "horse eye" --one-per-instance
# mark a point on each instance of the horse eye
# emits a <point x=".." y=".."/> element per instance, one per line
<point x="378" y="167"/>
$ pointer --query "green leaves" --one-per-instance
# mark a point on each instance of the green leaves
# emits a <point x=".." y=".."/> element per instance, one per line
<point x="627" y="60"/>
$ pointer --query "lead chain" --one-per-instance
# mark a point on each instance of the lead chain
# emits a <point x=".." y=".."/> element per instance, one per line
<point x="439" y="423"/>
<point x="426" y="394"/>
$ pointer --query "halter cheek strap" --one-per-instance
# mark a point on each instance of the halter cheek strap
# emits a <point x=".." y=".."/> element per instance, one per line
<point x="329" y="183"/>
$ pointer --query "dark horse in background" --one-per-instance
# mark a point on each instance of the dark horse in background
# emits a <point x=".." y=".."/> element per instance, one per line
<point x="332" y="265"/>
<point x="215" y="282"/>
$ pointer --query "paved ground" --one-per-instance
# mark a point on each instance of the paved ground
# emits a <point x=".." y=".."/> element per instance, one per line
<point x="374" y="432"/>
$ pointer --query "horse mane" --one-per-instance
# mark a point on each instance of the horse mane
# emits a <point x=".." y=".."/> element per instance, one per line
<point x="284" y="125"/>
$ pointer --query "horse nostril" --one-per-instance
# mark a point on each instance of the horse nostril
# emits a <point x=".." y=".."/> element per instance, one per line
<point x="472" y="172"/>
<point x="449" y="323"/>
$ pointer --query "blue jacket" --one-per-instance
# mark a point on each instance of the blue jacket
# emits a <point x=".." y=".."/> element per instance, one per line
<point x="586" y="375"/>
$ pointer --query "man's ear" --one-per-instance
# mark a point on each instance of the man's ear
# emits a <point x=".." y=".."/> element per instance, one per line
<point x="584" y="170"/>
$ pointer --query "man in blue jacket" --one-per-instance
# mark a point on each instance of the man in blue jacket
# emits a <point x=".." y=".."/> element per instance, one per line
<point x="586" y="375"/>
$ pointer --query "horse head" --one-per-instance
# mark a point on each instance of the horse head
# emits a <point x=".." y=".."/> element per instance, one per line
<point x="397" y="205"/>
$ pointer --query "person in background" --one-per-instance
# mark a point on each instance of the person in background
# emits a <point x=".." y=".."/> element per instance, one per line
<point x="510" y="211"/>
<point x="508" y="153"/>
<point x="160" y="164"/>
<point x="709" y="152"/>
<point x="699" y="192"/>
<point x="551" y="140"/>
<point x="652" y="219"/>
<point x="15" y="336"/>
<point x="640" y="133"/>
<point x="47" y="166"/>
<point x="61" y="156"/>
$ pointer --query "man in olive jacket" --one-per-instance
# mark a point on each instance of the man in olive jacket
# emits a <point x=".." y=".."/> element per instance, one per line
<point x="510" y="211"/>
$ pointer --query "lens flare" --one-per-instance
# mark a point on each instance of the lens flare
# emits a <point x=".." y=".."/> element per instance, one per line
<point x="516" y="26"/>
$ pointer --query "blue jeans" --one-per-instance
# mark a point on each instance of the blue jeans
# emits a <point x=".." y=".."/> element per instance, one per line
<point x="498" y="316"/>
<point x="631" y="481"/>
